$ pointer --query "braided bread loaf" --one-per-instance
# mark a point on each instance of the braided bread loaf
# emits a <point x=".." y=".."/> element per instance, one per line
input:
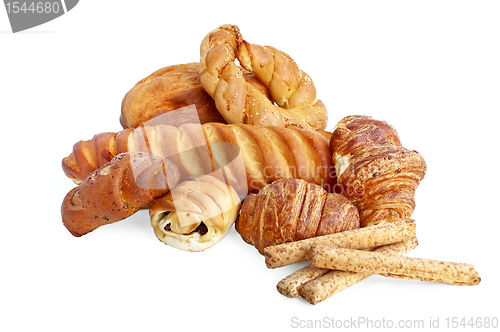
<point x="256" y="156"/>
<point x="239" y="102"/>
<point x="376" y="174"/>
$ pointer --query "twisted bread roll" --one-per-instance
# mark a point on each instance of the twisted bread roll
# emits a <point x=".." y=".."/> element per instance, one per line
<point x="239" y="102"/>
<point x="290" y="210"/>
<point x="376" y="174"/>
<point x="117" y="190"/>
<point x="250" y="156"/>
<point x="195" y="215"/>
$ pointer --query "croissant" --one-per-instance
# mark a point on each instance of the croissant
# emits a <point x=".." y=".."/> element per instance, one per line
<point x="376" y="174"/>
<point x="251" y="156"/>
<point x="117" y="190"/>
<point x="353" y="122"/>
<point x="290" y="210"/>
<point x="196" y="214"/>
<point x="291" y="89"/>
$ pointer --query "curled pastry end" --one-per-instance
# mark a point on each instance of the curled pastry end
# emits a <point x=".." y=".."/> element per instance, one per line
<point x="196" y="214"/>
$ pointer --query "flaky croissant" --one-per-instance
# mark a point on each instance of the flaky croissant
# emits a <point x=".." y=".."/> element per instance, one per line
<point x="196" y="214"/>
<point x="291" y="89"/>
<point x="290" y="210"/>
<point x="376" y="174"/>
<point x="251" y="156"/>
<point x="117" y="190"/>
<point x="354" y="122"/>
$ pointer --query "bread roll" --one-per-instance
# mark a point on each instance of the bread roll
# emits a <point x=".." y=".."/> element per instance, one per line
<point x="290" y="210"/>
<point x="167" y="89"/>
<point x="293" y="101"/>
<point x="117" y="190"/>
<point x="377" y="175"/>
<point x="254" y="155"/>
<point x="195" y="215"/>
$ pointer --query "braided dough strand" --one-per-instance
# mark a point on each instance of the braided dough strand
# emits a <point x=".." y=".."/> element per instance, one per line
<point x="241" y="101"/>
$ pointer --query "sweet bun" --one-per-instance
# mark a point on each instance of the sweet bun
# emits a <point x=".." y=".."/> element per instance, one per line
<point x="167" y="89"/>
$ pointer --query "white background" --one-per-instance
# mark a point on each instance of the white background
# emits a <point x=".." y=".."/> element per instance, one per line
<point x="430" y="68"/>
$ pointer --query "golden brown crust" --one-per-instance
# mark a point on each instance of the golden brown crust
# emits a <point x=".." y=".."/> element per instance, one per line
<point x="267" y="153"/>
<point x="239" y="101"/>
<point x="117" y="190"/>
<point x="196" y="214"/>
<point x="289" y="210"/>
<point x="338" y="215"/>
<point x="167" y="89"/>
<point x="376" y="174"/>
<point x="355" y="121"/>
<point x="326" y="134"/>
<point x="89" y="155"/>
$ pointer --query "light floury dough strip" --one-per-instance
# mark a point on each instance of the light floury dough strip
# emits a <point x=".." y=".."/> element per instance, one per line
<point x="290" y="285"/>
<point x="394" y="265"/>
<point x="362" y="238"/>
<point x="321" y="288"/>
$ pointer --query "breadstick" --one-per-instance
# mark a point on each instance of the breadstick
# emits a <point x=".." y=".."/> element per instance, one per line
<point x="321" y="288"/>
<point x="394" y="266"/>
<point x="363" y="238"/>
<point x="289" y="286"/>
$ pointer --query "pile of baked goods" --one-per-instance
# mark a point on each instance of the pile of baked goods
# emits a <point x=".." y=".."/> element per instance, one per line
<point x="211" y="144"/>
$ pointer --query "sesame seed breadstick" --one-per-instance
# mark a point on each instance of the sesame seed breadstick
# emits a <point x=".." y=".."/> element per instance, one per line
<point x="394" y="266"/>
<point x="321" y="288"/>
<point x="363" y="238"/>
